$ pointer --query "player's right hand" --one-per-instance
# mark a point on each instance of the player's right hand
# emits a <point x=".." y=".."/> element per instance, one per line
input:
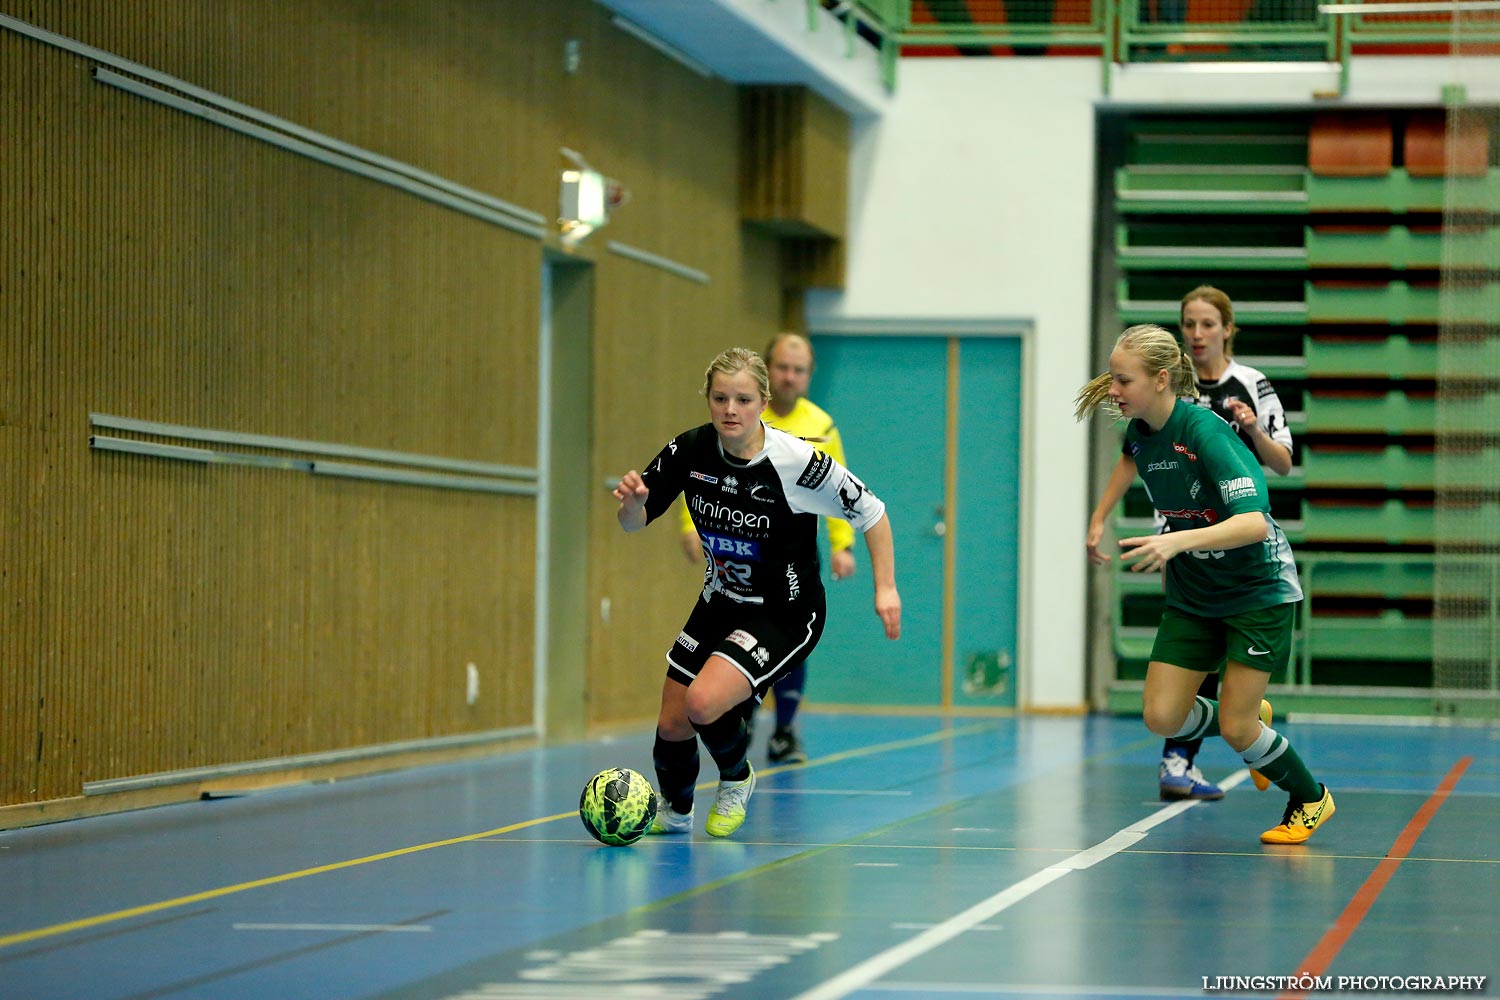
<point x="1096" y="534"/>
<point x="632" y="491"/>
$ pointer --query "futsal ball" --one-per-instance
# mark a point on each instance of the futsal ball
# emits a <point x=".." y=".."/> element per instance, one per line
<point x="617" y="806"/>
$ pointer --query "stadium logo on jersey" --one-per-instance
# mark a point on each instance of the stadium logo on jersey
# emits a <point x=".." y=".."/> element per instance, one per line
<point x="850" y="500"/>
<point x="1235" y="489"/>
<point x="739" y="548"/>
<point x="730" y="485"/>
<point x="1182" y="450"/>
<point x="743" y="639"/>
<point x="735" y="518"/>
<point x="1162" y="466"/>
<point x="703" y="476"/>
<point x="687" y="642"/>
<point x="817" y="470"/>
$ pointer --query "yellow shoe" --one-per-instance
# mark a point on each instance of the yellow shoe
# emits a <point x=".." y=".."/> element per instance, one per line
<point x="1300" y="820"/>
<point x="1261" y="781"/>
<point x="729" y="807"/>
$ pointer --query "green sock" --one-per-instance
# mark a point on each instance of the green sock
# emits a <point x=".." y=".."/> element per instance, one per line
<point x="1202" y="720"/>
<point x="1273" y="756"/>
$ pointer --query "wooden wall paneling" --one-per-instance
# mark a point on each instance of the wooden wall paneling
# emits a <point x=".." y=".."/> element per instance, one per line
<point x="462" y="88"/>
<point x="22" y="458"/>
<point x="794" y="167"/>
<point x="177" y="271"/>
<point x="160" y="267"/>
<point x="795" y="159"/>
<point x="825" y="165"/>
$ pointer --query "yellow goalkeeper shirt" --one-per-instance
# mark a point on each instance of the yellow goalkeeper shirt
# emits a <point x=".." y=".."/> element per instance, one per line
<point x="807" y="420"/>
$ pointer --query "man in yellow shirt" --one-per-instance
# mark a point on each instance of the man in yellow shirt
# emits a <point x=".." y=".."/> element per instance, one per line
<point x="789" y="358"/>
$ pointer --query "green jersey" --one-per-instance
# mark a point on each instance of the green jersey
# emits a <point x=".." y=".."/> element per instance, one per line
<point x="1197" y="473"/>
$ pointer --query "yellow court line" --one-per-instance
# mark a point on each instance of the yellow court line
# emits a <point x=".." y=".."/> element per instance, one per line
<point x="198" y="897"/>
<point x="138" y="911"/>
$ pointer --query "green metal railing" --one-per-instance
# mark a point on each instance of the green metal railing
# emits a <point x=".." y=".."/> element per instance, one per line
<point x="1321" y="635"/>
<point x="1126" y="31"/>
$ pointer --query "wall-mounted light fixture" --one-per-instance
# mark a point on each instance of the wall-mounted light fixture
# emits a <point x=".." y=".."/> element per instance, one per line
<point x="586" y="200"/>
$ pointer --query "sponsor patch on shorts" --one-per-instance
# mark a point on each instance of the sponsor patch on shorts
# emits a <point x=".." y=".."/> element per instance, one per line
<point x="817" y="470"/>
<point x="687" y="642"/>
<point x="743" y="639"/>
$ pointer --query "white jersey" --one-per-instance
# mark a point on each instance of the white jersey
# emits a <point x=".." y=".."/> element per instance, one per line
<point x="1251" y="387"/>
<point x="758" y="518"/>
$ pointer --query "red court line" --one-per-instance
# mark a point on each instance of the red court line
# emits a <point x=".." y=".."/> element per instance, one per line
<point x="1322" y="955"/>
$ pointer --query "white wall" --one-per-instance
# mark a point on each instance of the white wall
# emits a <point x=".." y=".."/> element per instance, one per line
<point x="972" y="199"/>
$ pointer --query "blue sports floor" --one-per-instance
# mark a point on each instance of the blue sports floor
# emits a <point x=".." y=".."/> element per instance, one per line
<point x="911" y="857"/>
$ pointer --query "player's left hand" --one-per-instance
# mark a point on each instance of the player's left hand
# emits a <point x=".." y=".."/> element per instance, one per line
<point x="1242" y="414"/>
<point x="888" y="607"/>
<point x="1149" y="553"/>
<point x="843" y="564"/>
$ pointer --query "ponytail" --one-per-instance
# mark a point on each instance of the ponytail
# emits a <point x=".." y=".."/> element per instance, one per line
<point x="1159" y="351"/>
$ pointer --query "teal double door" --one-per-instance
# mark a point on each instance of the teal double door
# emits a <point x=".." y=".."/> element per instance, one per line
<point x="932" y="425"/>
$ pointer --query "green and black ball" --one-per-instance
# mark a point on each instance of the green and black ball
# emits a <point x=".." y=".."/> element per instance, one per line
<point x="617" y="806"/>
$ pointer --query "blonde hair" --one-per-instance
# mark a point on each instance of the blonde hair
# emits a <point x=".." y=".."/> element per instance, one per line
<point x="734" y="361"/>
<point x="1220" y="301"/>
<point x="1159" y="351"/>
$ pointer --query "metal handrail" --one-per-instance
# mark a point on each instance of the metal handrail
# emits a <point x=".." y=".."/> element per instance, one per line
<point x="1309" y="562"/>
<point x="1308" y="565"/>
<point x="1124" y="34"/>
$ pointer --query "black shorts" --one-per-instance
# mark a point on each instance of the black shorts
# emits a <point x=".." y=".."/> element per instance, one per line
<point x="763" y="643"/>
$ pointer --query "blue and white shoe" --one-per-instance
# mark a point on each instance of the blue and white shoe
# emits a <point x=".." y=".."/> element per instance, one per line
<point x="1180" y="779"/>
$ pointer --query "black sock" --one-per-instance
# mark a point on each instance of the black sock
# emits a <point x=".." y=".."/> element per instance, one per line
<point x="727" y="740"/>
<point x="676" y="770"/>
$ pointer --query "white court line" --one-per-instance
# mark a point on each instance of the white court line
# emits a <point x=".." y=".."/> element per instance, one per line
<point x="873" y="968"/>
<point x="384" y="928"/>
<point x="1034" y="990"/>
<point x="765" y="790"/>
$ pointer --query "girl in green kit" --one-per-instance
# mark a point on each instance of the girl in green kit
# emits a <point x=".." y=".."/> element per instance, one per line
<point x="1231" y="585"/>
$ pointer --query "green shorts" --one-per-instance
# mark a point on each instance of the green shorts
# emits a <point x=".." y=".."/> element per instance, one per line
<point x="1261" y="639"/>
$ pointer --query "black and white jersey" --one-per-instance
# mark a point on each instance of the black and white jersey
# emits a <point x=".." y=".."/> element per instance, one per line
<point x="758" y="519"/>
<point x="1251" y="387"/>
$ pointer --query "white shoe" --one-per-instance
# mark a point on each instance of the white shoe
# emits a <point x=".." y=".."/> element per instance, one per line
<point x="1180" y="780"/>
<point x="669" y="820"/>
<point x="729" y="807"/>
